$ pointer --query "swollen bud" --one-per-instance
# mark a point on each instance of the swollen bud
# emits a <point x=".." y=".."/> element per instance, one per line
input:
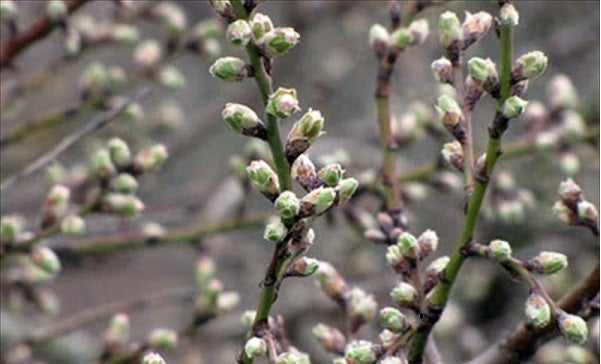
<point x="331" y="174"/>
<point x="239" y="33"/>
<point x="449" y="29"/>
<point x="303" y="171"/>
<point x="330" y="338"/>
<point x="287" y="205"/>
<point x="393" y="320"/>
<point x="484" y="73"/>
<point x="428" y="242"/>
<point x="125" y="183"/>
<point x="147" y="54"/>
<point x="260" y="24"/>
<point x="317" y="201"/>
<point x="573" y="328"/>
<point x="56" y="203"/>
<point x="153" y="358"/>
<point x="205" y="270"/>
<point x="119" y="152"/>
<point x="513" y="107"/>
<point x="56" y="10"/>
<point x="400" y="39"/>
<point x="304" y="267"/>
<point x="475" y="27"/>
<point x="264" y="179"/>
<point x="244" y="120"/>
<point x="529" y="66"/>
<point x="102" y="164"/>
<point x="118" y="330"/>
<point x="569" y="191"/>
<point x="538" y="310"/>
<point x="360" y="352"/>
<point x="275" y="231"/>
<point x="73" y="225"/>
<point x="419" y="31"/>
<point x="279" y="41"/>
<point x="548" y="262"/>
<point x="162" y="339"/>
<point x="509" y="15"/>
<point x="46" y="259"/>
<point x="452" y="153"/>
<point x="303" y="133"/>
<point x="292" y="357"/>
<point x="378" y="38"/>
<point x="329" y="280"/>
<point x="409" y="245"/>
<point x="346" y="188"/>
<point x="404" y="294"/>
<point x="229" y="69"/>
<point x="562" y="93"/>
<point x="151" y="159"/>
<point x="500" y="250"/>
<point x="255" y="347"/>
<point x="451" y="116"/>
<point x="442" y="70"/>
<point x="587" y="211"/>
<point x="282" y="103"/>
<point x="10" y="228"/>
<point x="171" y="78"/>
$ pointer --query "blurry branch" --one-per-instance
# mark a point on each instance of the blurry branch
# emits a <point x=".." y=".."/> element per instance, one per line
<point x="523" y="342"/>
<point x="88" y="316"/>
<point x="140" y="239"/>
<point x="38" y="30"/>
<point x="70" y="140"/>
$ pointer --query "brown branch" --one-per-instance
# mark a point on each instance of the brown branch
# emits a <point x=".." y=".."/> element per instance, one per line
<point x="38" y="30"/>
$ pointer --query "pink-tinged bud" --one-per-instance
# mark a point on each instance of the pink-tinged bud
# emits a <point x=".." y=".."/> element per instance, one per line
<point x="317" y="201"/>
<point x="46" y="259"/>
<point x="244" y="120"/>
<point x="442" y="70"/>
<point x="304" y="267"/>
<point x="264" y="179"/>
<point x="378" y="38"/>
<point x="151" y="159"/>
<point x="148" y="54"/>
<point x="587" y="211"/>
<point x="331" y="339"/>
<point x="162" y="339"/>
<point x="303" y="171"/>
<point x="118" y="331"/>
<point x="239" y="33"/>
<point x="173" y="18"/>
<point x="56" y="203"/>
<point x="329" y="280"/>
<point x="561" y="93"/>
<point x="304" y="133"/>
<point x="509" y="15"/>
<point x="153" y="358"/>
<point x="475" y="27"/>
<point x="419" y="31"/>
<point x="569" y="191"/>
<point x="428" y="242"/>
<point x="260" y="24"/>
<point x="548" y="262"/>
<point x="282" y="103"/>
<point x="229" y="69"/>
<point x="205" y="270"/>
<point x="124" y="205"/>
<point x="279" y="41"/>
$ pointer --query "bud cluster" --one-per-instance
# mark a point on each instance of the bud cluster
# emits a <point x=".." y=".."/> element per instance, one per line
<point x="401" y="38"/>
<point x="573" y="208"/>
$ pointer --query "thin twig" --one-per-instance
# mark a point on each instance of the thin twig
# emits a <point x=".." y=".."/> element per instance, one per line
<point x="70" y="140"/>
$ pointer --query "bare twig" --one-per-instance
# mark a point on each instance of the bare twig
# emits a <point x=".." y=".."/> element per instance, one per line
<point x="70" y="140"/>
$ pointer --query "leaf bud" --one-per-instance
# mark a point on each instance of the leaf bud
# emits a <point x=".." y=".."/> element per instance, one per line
<point x="500" y="250"/>
<point x="529" y="65"/>
<point x="317" y="201"/>
<point x="346" y="188"/>
<point x="449" y="29"/>
<point x="279" y="41"/>
<point x="153" y="358"/>
<point x="393" y="320"/>
<point x="260" y="24"/>
<point x="404" y="294"/>
<point x="442" y="70"/>
<point x="573" y="328"/>
<point x="282" y="103"/>
<point x="255" y="347"/>
<point x="548" y="262"/>
<point x="400" y="39"/>
<point x="162" y="339"/>
<point x="537" y="310"/>
<point x="239" y="33"/>
<point x="46" y="259"/>
<point x="360" y="352"/>
<point x="119" y="152"/>
<point x="331" y="339"/>
<point x="73" y="225"/>
<point x="513" y="107"/>
<point x="509" y="15"/>
<point x="264" y="179"/>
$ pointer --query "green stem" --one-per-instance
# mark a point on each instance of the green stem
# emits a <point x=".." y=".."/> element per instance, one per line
<point x="441" y="291"/>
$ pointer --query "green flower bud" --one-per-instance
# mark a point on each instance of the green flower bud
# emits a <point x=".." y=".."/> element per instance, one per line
<point x="573" y="328"/>
<point x="500" y="250"/>
<point x="538" y="310"/>
<point x="46" y="259"/>
<point x="173" y="17"/>
<point x="387" y="338"/>
<point x="152" y="158"/>
<point x="287" y="205"/>
<point x="378" y="38"/>
<point x="569" y="191"/>
<point x="263" y="178"/>
<point x="282" y="103"/>
<point x="119" y="152"/>
<point x="360" y="352"/>
<point x="239" y="33"/>
<point x="331" y="174"/>
<point x="205" y="270"/>
<point x="56" y="10"/>
<point x="578" y="355"/>
<point x="248" y="317"/>
<point x="124" y="34"/>
<point x="275" y="231"/>
<point x="428" y="241"/>
<point x="57" y="201"/>
<point x="442" y="70"/>
<point x="206" y="302"/>
<point x="47" y="302"/>
<point x="255" y="347"/>
<point x="438" y="265"/>
<point x="563" y="213"/>
<point x="292" y="357"/>
<point x="449" y="29"/>
<point x="308" y="127"/>
<point x="317" y="201"/>
<point x="162" y="339"/>
<point x="210" y="28"/>
<point x="475" y="26"/>
<point x="404" y="294"/>
<point x="346" y="188"/>
<point x="409" y="245"/>
<point x="400" y="39"/>
<point x="153" y="358"/>
<point x="34" y="275"/>
<point x="148" y="54"/>
<point x="73" y="225"/>
<point x="452" y="153"/>
<point x="483" y="71"/>
<point x="561" y="93"/>
<point x="548" y="262"/>
<point x="394" y="360"/>
<point x="260" y="24"/>
<point x="394" y="256"/>
<point x="93" y="79"/>
<point x="279" y="41"/>
<point x="329" y="280"/>
<point x="243" y="120"/>
<point x="449" y="112"/>
<point x="118" y="331"/>
<point x="330" y="338"/>
<point x="8" y="10"/>
<point x="101" y="163"/>
<point x="361" y="306"/>
<point x="171" y="78"/>
<point x="419" y="31"/>
<point x="513" y="107"/>
<point x="133" y="112"/>
<point x="587" y="211"/>
<point x="303" y="171"/>
<point x="509" y="15"/>
<point x="125" y="183"/>
<point x="227" y="301"/>
<point x="124" y="205"/>
<point x="393" y="319"/>
<point x="305" y="267"/>
<point x="529" y="65"/>
<point x="10" y="228"/>
<point x="72" y="42"/>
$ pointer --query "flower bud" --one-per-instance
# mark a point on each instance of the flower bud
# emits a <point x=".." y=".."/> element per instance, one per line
<point x="346" y="188"/>
<point x="378" y="38"/>
<point x="573" y="126"/>
<point x="360" y="352"/>
<point x="10" y="228"/>
<point x="303" y="133"/>
<point x="153" y="358"/>
<point x="162" y="339"/>
<point x="361" y="307"/>
<point x="227" y="301"/>
<point x="220" y="6"/>
<point x="562" y="93"/>
<point x="93" y="79"/>
<point x="330" y="338"/>
<point x="573" y="328"/>
<point x="538" y="310"/>
<point x="437" y="266"/>
<point x="394" y="256"/>
<point x="124" y="205"/>
<point x="578" y="355"/>
<point x="171" y="78"/>
<point x="73" y="225"/>
<point x="331" y="174"/>
<point x="587" y="211"/>
<point x="529" y="65"/>
<point x="548" y="262"/>
<point x="229" y="69"/>
<point x="292" y="357"/>
<point x="210" y="28"/>
<point x="124" y="33"/>
<point x="509" y="15"/>
<point x="206" y="302"/>
<point x="8" y="10"/>
<point x="173" y="17"/>
<point x="101" y="163"/>
<point x="303" y="171"/>
<point x="428" y="241"/>
<point x="329" y="280"/>
<point x="451" y="116"/>
<point x="475" y="27"/>
<point x="419" y="31"/>
<point x="255" y="347"/>
<point x="119" y="152"/>
<point x="279" y="41"/>
<point x="569" y="191"/>
<point x="569" y="163"/>
<point x="118" y="330"/>
<point x="393" y="320"/>
<point x="275" y="231"/>
<point x="513" y="107"/>
<point x="260" y="24"/>
<point x="500" y="250"/>
<point x="57" y="201"/>
<point x="243" y="120"/>
<point x="34" y="275"/>
<point x="151" y="159"/>
<point x="287" y="205"/>
<point x="147" y="54"/>
<point x="317" y="201"/>
<point x="72" y="42"/>
<point x="264" y="178"/>
<point x="409" y="245"/>
<point x="125" y="183"/>
<point x="484" y="73"/>
<point x="248" y="317"/>
<point x="400" y="39"/>
<point x="404" y="294"/>
<point x="564" y="213"/>
<point x="452" y="153"/>
<point x="239" y="33"/>
<point x="56" y="10"/>
<point x="304" y="267"/>
<point x="205" y="270"/>
<point x="46" y="259"/>
<point x="443" y="70"/>
<point x="449" y="29"/>
<point x="282" y="103"/>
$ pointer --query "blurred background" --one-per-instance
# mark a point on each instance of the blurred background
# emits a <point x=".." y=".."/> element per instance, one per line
<point x="333" y="70"/>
